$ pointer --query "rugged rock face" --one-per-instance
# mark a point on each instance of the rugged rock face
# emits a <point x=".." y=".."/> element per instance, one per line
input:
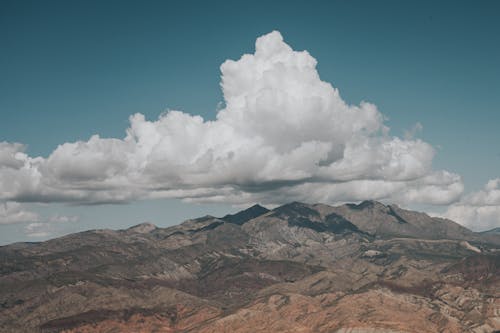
<point x="297" y="268"/>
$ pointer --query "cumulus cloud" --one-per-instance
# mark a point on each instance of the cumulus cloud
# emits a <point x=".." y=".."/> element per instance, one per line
<point x="13" y="212"/>
<point x="282" y="134"/>
<point x="57" y="218"/>
<point x="478" y="210"/>
<point x="48" y="226"/>
<point x="37" y="229"/>
<point x="36" y="226"/>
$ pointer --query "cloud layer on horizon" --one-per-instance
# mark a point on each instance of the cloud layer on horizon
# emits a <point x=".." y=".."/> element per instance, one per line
<point x="478" y="210"/>
<point x="283" y="135"/>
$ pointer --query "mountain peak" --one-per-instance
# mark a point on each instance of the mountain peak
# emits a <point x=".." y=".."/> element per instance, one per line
<point x="245" y="215"/>
<point x="142" y="228"/>
<point x="367" y="204"/>
<point x="294" y="205"/>
<point x="257" y="207"/>
<point x="295" y="209"/>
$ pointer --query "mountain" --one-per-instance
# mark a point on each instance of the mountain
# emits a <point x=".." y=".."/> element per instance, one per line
<point x="365" y="267"/>
<point x="495" y="231"/>
<point x="392" y="221"/>
<point x="245" y="215"/>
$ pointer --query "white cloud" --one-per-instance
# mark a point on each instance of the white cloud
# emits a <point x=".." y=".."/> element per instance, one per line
<point x="13" y="212"/>
<point x="282" y="134"/>
<point x="56" y="218"/>
<point x="47" y="227"/>
<point x="413" y="131"/>
<point x="38" y="226"/>
<point x="478" y="210"/>
<point x="37" y="230"/>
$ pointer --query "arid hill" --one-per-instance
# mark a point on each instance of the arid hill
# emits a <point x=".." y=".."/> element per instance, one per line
<point x="366" y="268"/>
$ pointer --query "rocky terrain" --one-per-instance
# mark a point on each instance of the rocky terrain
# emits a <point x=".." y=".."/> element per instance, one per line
<point x="365" y="267"/>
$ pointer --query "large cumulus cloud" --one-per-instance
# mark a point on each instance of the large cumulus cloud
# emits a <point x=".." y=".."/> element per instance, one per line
<point x="284" y="134"/>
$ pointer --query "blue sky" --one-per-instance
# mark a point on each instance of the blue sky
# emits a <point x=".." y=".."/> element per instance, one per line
<point x="72" y="69"/>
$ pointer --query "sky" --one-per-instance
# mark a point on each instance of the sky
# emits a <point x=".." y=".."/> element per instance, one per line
<point x="115" y="113"/>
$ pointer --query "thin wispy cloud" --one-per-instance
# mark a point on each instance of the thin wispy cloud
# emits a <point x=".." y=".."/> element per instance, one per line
<point x="281" y="134"/>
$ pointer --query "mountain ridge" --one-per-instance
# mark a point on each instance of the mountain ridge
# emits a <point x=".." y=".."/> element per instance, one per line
<point x="256" y="271"/>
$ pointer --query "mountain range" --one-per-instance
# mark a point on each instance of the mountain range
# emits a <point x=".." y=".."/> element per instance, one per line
<point x="365" y="268"/>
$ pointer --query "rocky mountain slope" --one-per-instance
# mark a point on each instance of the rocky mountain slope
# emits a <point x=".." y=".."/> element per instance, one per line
<point x="297" y="268"/>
